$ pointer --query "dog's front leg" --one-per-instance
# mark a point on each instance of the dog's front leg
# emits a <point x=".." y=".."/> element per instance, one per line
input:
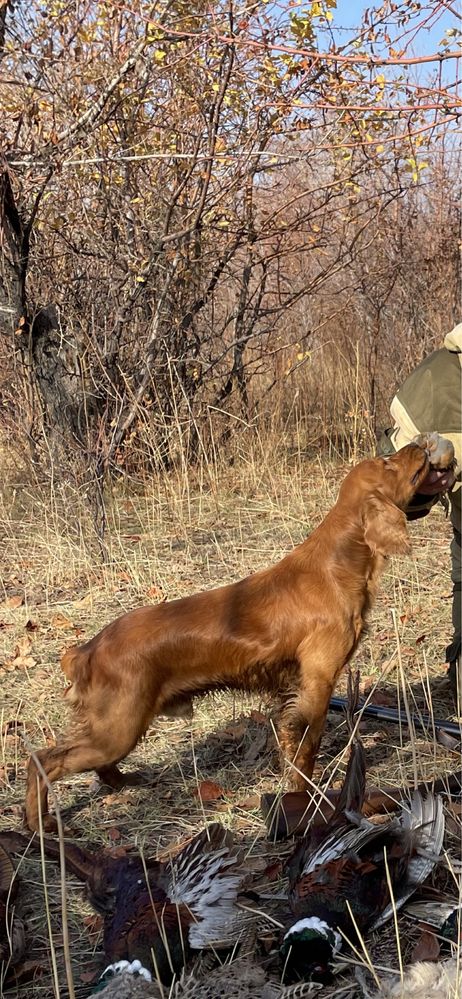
<point x="303" y="718"/>
<point x="300" y="732"/>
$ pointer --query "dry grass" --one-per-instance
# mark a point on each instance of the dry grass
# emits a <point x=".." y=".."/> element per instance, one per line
<point x="170" y="537"/>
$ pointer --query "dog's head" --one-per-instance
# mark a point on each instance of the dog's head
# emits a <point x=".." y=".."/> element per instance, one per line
<point x="379" y="490"/>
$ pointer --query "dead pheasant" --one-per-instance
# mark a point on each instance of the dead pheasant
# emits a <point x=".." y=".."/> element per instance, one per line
<point x="159" y="912"/>
<point x="340" y="875"/>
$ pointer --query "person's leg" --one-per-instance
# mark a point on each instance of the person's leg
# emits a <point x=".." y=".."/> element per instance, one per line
<point x="453" y="651"/>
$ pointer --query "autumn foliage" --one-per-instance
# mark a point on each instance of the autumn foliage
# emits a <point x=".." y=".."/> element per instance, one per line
<point x="217" y="217"/>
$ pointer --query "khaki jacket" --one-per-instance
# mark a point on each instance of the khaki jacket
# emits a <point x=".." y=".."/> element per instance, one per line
<point x="431" y="399"/>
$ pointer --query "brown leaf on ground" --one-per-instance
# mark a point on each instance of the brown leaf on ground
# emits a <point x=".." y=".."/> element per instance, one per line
<point x="258" y="716"/>
<point x="154" y="593"/>
<point x="235" y="731"/>
<point x="94" y="925"/>
<point x="258" y="744"/>
<point x="90" y="976"/>
<point x="253" y="801"/>
<point x="453" y="819"/>
<point x="208" y="790"/>
<point x="407" y="616"/>
<point x="20" y="662"/>
<point x="84" y="601"/>
<point x="13" y="602"/>
<point x="23" y="646"/>
<point x="114" y="834"/>
<point x="427" y="947"/>
<point x="61" y="621"/>
<point x="383" y="699"/>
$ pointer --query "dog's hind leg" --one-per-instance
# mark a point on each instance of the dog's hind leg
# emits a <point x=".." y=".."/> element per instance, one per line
<point x="86" y="753"/>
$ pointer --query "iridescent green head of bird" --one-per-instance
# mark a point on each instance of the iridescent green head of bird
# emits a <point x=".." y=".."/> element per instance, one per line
<point x="307" y="951"/>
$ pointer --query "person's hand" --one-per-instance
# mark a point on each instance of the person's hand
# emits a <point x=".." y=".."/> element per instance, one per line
<point x="437" y="482"/>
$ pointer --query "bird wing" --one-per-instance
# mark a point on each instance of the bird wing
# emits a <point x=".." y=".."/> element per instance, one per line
<point x="433" y="912"/>
<point x="206" y="876"/>
<point x="347" y="839"/>
<point x="423" y="825"/>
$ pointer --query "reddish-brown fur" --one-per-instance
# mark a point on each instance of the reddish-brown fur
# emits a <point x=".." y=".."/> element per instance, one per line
<point x="288" y="630"/>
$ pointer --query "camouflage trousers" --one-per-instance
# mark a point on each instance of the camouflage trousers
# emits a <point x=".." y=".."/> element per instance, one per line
<point x="453" y="650"/>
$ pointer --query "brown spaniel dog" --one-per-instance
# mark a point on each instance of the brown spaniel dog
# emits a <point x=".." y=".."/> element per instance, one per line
<point x="288" y="630"/>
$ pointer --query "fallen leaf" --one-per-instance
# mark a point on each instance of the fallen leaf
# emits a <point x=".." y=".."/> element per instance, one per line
<point x="94" y="924"/>
<point x="236" y="731"/>
<point x="257" y="746"/>
<point x="253" y="801"/>
<point x="6" y="624"/>
<point x="13" y="602"/>
<point x="420" y="639"/>
<point x="258" y="716"/>
<point x="154" y="593"/>
<point x="61" y="621"/>
<point x="383" y="636"/>
<point x="448" y="741"/>
<point x="84" y="601"/>
<point x="382" y="699"/>
<point x="407" y="616"/>
<point x="90" y="976"/>
<point x="114" y="834"/>
<point x="108" y="799"/>
<point x="23" y="646"/>
<point x="427" y="947"/>
<point x="366" y="683"/>
<point x="23" y="662"/>
<point x="208" y="790"/>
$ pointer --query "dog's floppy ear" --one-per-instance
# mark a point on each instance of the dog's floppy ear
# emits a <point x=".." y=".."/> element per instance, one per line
<point x="385" y="528"/>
